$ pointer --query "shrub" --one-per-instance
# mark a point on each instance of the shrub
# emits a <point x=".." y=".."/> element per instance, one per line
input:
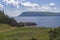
<point x="33" y="39"/>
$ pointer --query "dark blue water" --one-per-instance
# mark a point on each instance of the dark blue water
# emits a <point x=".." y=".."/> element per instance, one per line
<point x="43" y="21"/>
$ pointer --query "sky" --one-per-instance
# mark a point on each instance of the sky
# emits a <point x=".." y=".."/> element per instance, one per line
<point x="16" y="7"/>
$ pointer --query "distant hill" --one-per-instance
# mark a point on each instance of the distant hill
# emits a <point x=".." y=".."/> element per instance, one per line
<point x="39" y="14"/>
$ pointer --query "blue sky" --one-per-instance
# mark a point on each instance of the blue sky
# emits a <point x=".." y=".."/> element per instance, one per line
<point x="16" y="7"/>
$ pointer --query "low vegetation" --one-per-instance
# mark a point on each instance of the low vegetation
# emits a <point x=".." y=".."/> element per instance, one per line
<point x="54" y="34"/>
<point x="23" y="33"/>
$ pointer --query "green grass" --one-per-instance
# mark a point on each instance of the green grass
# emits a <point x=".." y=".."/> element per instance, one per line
<point x="23" y="33"/>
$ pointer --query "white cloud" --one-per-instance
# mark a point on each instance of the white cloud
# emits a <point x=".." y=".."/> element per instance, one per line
<point x="29" y="4"/>
<point x="13" y="2"/>
<point x="45" y="8"/>
<point x="52" y="4"/>
<point x="1" y="6"/>
<point x="37" y="7"/>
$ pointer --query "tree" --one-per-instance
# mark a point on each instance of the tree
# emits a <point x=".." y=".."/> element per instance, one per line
<point x="6" y="19"/>
<point x="33" y="39"/>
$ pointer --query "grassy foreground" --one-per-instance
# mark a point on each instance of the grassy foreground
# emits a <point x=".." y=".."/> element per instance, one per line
<point x="23" y="33"/>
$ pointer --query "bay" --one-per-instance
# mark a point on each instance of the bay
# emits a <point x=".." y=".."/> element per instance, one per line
<point x="42" y="21"/>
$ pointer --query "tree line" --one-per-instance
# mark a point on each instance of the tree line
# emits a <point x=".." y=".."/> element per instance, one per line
<point x="11" y="21"/>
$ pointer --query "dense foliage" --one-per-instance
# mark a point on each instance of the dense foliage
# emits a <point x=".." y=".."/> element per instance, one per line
<point x="26" y="24"/>
<point x="29" y="23"/>
<point x="11" y="21"/>
<point x="6" y="19"/>
<point x="54" y="34"/>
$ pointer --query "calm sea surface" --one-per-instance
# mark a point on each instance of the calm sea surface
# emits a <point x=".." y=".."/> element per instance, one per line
<point x="43" y="21"/>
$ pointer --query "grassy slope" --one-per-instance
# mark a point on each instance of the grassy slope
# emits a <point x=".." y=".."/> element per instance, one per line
<point x="22" y="33"/>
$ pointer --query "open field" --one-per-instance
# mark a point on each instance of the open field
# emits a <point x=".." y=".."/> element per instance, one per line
<point x="23" y="33"/>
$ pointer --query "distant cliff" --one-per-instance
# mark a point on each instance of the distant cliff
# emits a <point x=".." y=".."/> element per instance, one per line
<point x="39" y="14"/>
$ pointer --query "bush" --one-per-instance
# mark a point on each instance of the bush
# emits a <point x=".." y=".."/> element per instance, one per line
<point x="54" y="34"/>
<point x="20" y="24"/>
<point x="33" y="39"/>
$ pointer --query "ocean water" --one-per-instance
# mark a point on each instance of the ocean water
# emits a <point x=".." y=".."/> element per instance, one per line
<point x="42" y="21"/>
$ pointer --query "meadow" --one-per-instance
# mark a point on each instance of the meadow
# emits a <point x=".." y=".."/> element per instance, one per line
<point x="23" y="33"/>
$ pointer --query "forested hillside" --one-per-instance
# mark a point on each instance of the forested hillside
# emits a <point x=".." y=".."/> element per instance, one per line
<point x="39" y="14"/>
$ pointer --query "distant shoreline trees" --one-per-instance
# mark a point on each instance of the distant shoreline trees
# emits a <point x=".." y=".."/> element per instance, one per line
<point x="27" y="23"/>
